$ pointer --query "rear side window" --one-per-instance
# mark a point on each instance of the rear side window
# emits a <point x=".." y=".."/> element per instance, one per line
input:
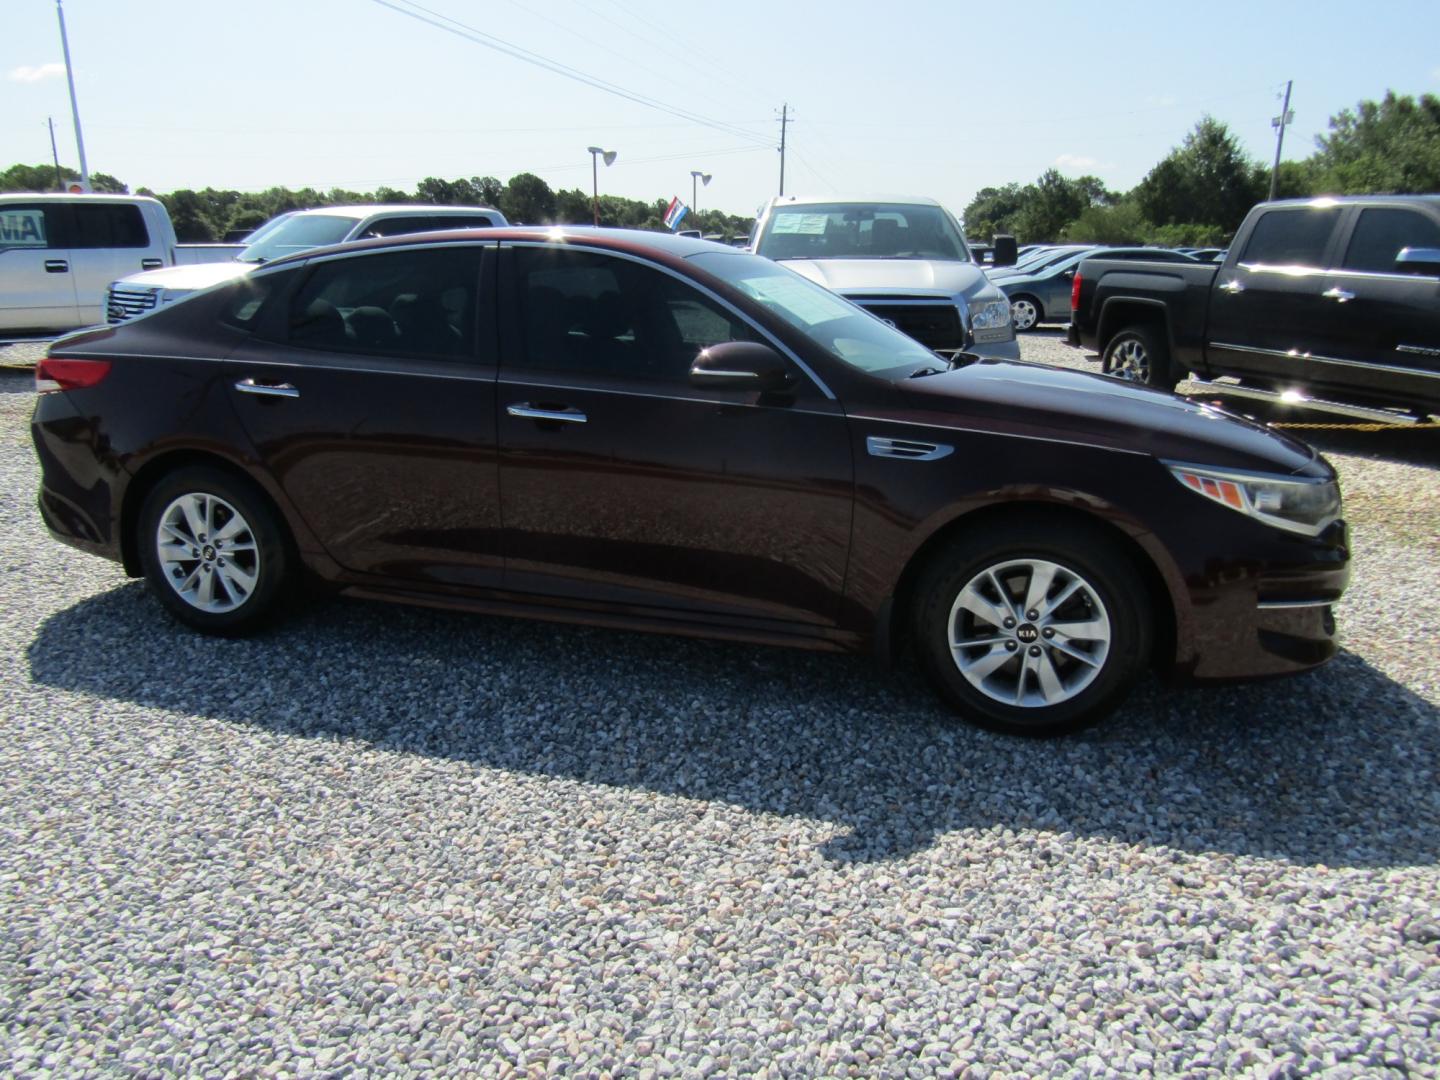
<point x="108" y="225"/>
<point x="1382" y="233"/>
<point x="419" y="303"/>
<point x="1291" y="237"/>
<point x="249" y="295"/>
<point x="23" y="226"/>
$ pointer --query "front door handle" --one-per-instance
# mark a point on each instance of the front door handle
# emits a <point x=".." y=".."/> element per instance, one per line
<point x="250" y="386"/>
<point x="57" y="266"/>
<point x="151" y="264"/>
<point x="1232" y="286"/>
<point x="527" y="411"/>
<point x="1340" y="296"/>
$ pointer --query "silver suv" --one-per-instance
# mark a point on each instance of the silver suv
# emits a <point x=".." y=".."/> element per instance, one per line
<point x="298" y="230"/>
<point x="903" y="259"/>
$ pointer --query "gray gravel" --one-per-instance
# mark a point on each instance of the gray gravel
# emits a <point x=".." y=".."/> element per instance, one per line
<point x="382" y="841"/>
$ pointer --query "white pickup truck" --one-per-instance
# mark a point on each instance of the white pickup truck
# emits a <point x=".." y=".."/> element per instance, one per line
<point x="298" y="230"/>
<point x="59" y="252"/>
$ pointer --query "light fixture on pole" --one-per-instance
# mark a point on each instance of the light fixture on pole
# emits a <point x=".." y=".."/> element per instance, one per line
<point x="703" y="178"/>
<point x="595" y="155"/>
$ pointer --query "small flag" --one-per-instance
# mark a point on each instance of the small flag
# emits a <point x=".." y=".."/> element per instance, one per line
<point x="675" y="214"/>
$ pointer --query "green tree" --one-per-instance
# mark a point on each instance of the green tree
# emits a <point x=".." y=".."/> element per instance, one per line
<point x="1386" y="147"/>
<point x="1052" y="202"/>
<point x="528" y="200"/>
<point x="992" y="211"/>
<point x="41" y="178"/>
<point x="1206" y="180"/>
<point x="1120" y="223"/>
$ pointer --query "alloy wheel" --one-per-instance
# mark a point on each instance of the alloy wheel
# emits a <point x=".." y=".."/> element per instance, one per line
<point x="1024" y="314"/>
<point x="207" y="552"/>
<point x="1029" y="633"/>
<point x="1130" y="361"/>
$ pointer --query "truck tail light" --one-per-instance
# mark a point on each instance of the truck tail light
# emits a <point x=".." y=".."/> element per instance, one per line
<point x="53" y="374"/>
<point x="1075" y="292"/>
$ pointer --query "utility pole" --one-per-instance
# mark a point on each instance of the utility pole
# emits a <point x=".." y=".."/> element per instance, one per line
<point x="59" y="180"/>
<point x="74" y="107"/>
<point x="784" y="119"/>
<point x="1279" y="123"/>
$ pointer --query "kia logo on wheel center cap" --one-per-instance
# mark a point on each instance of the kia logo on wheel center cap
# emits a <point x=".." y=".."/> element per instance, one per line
<point x="1027" y="633"/>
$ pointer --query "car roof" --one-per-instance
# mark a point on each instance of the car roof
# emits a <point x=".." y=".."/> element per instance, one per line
<point x="808" y="200"/>
<point x="1360" y="200"/>
<point x="626" y="241"/>
<point x="68" y="196"/>
<point x="392" y="209"/>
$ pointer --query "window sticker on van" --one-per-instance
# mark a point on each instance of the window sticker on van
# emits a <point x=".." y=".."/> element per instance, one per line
<point x="22" y="229"/>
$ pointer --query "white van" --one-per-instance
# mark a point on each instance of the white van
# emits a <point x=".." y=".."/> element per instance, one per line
<point x="59" y="252"/>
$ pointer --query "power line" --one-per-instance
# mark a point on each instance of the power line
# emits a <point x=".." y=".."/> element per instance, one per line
<point x="489" y="41"/>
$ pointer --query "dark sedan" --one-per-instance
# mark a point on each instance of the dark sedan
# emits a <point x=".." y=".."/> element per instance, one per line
<point x="652" y="433"/>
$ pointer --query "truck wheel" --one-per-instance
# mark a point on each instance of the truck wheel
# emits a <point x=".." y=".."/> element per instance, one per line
<point x="1137" y="354"/>
<point x="1028" y="628"/>
<point x="1024" y="312"/>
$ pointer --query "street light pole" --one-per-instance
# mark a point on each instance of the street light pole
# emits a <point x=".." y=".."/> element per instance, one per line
<point x="1279" y="123"/>
<point x="74" y="107"/>
<point x="595" y="155"/>
<point x="696" y="178"/>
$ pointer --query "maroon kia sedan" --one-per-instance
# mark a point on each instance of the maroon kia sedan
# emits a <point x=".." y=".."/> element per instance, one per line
<point x="652" y="433"/>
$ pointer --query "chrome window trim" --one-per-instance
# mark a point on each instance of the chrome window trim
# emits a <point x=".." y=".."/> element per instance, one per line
<point x="1368" y="365"/>
<point x="1294" y="270"/>
<point x="667" y="397"/>
<point x="568" y="245"/>
<point x="1384" y="275"/>
<point x="1002" y="434"/>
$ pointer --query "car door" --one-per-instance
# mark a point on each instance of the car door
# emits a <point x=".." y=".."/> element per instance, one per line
<point x="1266" y="307"/>
<point x="108" y="241"/>
<point x="370" y="398"/>
<point x="1388" y="339"/>
<point x="37" y="288"/>
<point x="622" y="483"/>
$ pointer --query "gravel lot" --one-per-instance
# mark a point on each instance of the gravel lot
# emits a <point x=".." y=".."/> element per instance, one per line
<point x="380" y="841"/>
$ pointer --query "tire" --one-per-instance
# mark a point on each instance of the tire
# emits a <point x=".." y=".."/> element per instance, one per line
<point x="1018" y="679"/>
<point x="1139" y="354"/>
<point x="1025" y="313"/>
<point x="213" y="550"/>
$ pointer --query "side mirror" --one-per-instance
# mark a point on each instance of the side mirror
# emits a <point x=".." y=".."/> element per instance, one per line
<point x="1423" y="261"/>
<point x="1005" y="250"/>
<point x="740" y="365"/>
<point x="1069" y="275"/>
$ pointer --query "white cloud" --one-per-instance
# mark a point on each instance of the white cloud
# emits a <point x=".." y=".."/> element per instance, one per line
<point x="1435" y="74"/>
<point x="25" y="73"/>
<point x="1081" y="163"/>
<point x="1161" y="101"/>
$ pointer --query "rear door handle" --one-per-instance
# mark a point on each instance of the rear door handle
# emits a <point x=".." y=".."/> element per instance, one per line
<point x="1232" y="287"/>
<point x="250" y="386"/>
<point x="527" y="411"/>
<point x="1339" y="295"/>
<point x="151" y="264"/>
<point x="56" y="266"/>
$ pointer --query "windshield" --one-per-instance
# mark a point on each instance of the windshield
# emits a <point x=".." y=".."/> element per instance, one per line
<point x="299" y="233"/>
<point x="861" y="231"/>
<point x="1055" y="260"/>
<point x="847" y="332"/>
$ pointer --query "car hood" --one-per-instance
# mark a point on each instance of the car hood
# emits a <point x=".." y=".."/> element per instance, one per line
<point x="197" y="276"/>
<point x="859" y="276"/>
<point x="1040" y="401"/>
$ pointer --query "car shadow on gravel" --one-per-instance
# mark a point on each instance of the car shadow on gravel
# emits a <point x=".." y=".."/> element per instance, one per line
<point x="1339" y="766"/>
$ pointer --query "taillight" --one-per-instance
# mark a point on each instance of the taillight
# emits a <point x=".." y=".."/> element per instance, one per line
<point x="54" y="373"/>
<point x="1075" y="292"/>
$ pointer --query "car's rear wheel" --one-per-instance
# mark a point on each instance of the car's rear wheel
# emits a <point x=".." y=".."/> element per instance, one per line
<point x="1024" y="312"/>
<point x="1032" y="628"/>
<point x="213" y="550"/>
<point x="1139" y="354"/>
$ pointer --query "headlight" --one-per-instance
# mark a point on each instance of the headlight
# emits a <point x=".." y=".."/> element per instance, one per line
<point x="1296" y="505"/>
<point x="990" y="315"/>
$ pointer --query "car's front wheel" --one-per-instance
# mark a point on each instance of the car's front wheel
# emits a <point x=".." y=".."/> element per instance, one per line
<point x="1033" y="628"/>
<point x="213" y="550"/>
<point x="1024" y="312"/>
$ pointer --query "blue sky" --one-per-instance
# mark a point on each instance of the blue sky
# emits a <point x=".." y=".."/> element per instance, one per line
<point x="935" y="99"/>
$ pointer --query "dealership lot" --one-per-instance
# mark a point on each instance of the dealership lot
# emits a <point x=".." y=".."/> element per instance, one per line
<point x="388" y="839"/>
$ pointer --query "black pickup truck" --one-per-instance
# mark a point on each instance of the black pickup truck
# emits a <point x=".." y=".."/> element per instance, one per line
<point x="1338" y="298"/>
